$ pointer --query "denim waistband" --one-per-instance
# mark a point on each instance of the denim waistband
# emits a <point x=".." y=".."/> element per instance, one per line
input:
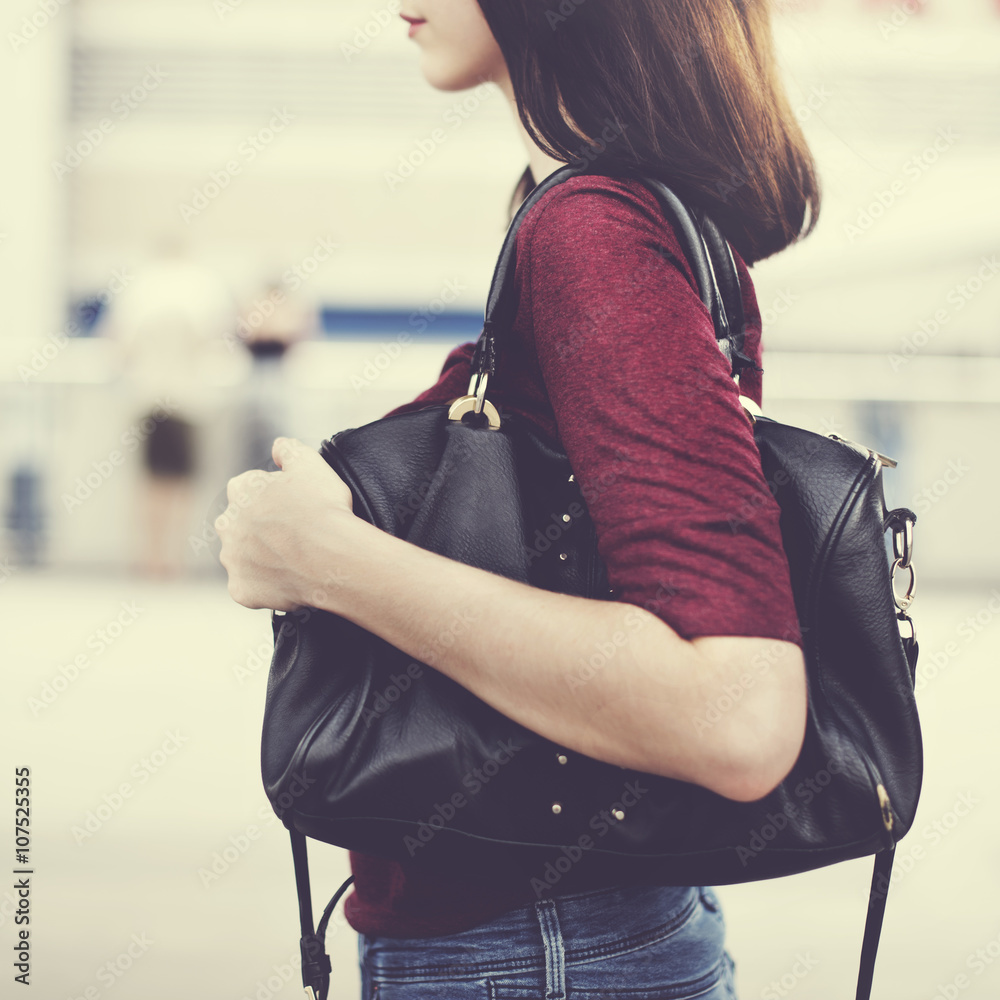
<point x="594" y="924"/>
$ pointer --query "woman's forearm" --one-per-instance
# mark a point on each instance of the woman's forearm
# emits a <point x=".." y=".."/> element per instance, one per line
<point x="603" y="678"/>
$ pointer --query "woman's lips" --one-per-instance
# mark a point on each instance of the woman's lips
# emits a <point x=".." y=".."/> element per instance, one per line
<point x="414" y="23"/>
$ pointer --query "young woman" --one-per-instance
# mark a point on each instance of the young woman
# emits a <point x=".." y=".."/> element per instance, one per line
<point x="612" y="352"/>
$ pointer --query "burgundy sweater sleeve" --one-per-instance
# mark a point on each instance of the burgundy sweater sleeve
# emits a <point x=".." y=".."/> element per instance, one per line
<point x="649" y="416"/>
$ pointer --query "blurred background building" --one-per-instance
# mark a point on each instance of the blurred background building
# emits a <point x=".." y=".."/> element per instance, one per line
<point x="331" y="224"/>
<point x="294" y="145"/>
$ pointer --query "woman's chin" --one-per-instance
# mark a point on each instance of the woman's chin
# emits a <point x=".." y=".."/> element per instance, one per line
<point x="442" y="77"/>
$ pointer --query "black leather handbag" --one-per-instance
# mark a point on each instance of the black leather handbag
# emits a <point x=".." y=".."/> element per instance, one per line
<point x="367" y="750"/>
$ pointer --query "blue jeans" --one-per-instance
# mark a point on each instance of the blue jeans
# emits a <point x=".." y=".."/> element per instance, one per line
<point x="623" y="943"/>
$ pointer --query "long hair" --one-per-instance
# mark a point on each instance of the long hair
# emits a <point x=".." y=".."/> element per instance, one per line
<point x="683" y="90"/>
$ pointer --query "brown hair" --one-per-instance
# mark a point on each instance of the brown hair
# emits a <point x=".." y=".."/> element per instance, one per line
<point x="683" y="90"/>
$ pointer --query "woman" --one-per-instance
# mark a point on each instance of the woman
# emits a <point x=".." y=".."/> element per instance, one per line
<point x="613" y="351"/>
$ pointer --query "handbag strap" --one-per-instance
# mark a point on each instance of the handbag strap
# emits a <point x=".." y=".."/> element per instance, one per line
<point x="714" y="271"/>
<point x="316" y="967"/>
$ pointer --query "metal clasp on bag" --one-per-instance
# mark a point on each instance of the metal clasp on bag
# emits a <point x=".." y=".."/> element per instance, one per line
<point x="901" y="521"/>
<point x="902" y="550"/>
<point x="475" y="402"/>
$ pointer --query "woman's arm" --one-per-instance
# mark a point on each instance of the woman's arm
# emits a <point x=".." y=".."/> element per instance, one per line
<point x="603" y="678"/>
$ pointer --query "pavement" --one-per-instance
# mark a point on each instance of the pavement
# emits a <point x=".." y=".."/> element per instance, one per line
<point x="158" y="870"/>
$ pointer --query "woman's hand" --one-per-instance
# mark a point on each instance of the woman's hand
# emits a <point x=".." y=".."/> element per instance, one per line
<point x="275" y="525"/>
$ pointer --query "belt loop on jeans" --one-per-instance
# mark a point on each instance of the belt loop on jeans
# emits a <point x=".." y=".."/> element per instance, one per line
<point x="555" y="954"/>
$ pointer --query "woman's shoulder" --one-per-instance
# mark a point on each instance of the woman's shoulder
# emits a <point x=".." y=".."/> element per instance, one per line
<point x="611" y="218"/>
<point x="584" y="199"/>
<point x="617" y="222"/>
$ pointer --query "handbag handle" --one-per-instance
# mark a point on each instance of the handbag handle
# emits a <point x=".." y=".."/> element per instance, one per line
<point x="707" y="251"/>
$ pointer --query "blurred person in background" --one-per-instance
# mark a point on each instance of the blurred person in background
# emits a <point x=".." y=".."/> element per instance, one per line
<point x="268" y="327"/>
<point x="173" y="324"/>
<point x="686" y="91"/>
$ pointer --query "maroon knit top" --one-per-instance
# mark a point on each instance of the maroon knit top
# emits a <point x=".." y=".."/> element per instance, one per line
<point x="614" y="353"/>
